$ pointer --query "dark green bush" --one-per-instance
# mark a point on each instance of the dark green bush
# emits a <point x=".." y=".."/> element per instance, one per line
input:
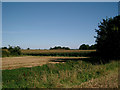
<point x="14" y="51"/>
<point x="5" y="53"/>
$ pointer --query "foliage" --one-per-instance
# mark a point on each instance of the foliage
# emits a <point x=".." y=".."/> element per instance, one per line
<point x="108" y="38"/>
<point x="28" y="48"/>
<point x="84" y="47"/>
<point x="5" y="53"/>
<point x="4" y="47"/>
<point x="65" y="75"/>
<point x="15" y="51"/>
<point x="70" y="53"/>
<point x="65" y="53"/>
<point x="92" y="47"/>
<point x="59" y="47"/>
<point x="87" y="47"/>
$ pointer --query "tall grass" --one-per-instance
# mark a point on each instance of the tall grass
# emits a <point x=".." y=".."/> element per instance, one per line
<point x="70" y="53"/>
<point x="59" y="75"/>
<point x="76" y="53"/>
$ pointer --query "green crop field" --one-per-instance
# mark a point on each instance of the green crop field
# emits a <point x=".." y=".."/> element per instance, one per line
<point x="76" y="53"/>
<point x="58" y="52"/>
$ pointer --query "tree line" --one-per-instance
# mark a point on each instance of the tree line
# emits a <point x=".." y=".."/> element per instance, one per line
<point x="59" y="47"/>
<point x="82" y="47"/>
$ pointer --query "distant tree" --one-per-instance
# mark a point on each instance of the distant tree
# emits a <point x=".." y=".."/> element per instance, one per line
<point x="92" y="47"/>
<point x="66" y="48"/>
<point x="28" y="48"/>
<point x="59" y="47"/>
<point x="84" y="47"/>
<point x="4" y="47"/>
<point x="14" y="50"/>
<point x="108" y="38"/>
<point x="50" y="48"/>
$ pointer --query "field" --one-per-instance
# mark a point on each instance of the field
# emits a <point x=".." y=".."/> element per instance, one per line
<point x="68" y="53"/>
<point x="30" y="61"/>
<point x="55" y="51"/>
<point x="65" y="53"/>
<point x="42" y="71"/>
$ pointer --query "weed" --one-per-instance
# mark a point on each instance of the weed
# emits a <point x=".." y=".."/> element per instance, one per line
<point x="67" y="74"/>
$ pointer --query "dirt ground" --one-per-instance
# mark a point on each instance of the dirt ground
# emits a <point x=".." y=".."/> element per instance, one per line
<point x="30" y="61"/>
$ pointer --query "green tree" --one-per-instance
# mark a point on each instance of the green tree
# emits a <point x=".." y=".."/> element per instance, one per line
<point x="59" y="47"/>
<point x="108" y="38"/>
<point x="84" y="47"/>
<point x="4" y="47"/>
<point x="14" y="50"/>
<point x="92" y="47"/>
<point x="28" y="48"/>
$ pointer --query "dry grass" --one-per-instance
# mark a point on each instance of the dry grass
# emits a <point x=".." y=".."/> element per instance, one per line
<point x="110" y="80"/>
<point x="29" y="61"/>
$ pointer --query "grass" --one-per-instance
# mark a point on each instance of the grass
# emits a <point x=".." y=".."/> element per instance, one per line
<point x="109" y="80"/>
<point x="61" y="75"/>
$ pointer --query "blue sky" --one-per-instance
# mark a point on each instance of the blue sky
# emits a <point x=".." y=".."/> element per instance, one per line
<point x="44" y="25"/>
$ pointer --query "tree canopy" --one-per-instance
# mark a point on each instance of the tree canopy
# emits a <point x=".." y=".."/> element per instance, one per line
<point x="14" y="50"/>
<point x="87" y="47"/>
<point x="59" y="47"/>
<point x="108" y="38"/>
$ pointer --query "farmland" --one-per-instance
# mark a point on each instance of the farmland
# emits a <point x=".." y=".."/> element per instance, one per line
<point x="57" y="52"/>
<point x="58" y="71"/>
<point x="66" y="53"/>
<point x="30" y="61"/>
<point x="60" y="45"/>
<point x="31" y="58"/>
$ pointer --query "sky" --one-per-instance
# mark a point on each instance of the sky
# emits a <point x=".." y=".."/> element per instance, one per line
<point x="41" y="25"/>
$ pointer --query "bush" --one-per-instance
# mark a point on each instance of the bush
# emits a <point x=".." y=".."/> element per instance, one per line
<point x="15" y="51"/>
<point x="5" y="53"/>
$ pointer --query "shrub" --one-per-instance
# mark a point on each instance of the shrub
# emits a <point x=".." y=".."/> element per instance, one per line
<point x="5" y="53"/>
<point x="15" y="51"/>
